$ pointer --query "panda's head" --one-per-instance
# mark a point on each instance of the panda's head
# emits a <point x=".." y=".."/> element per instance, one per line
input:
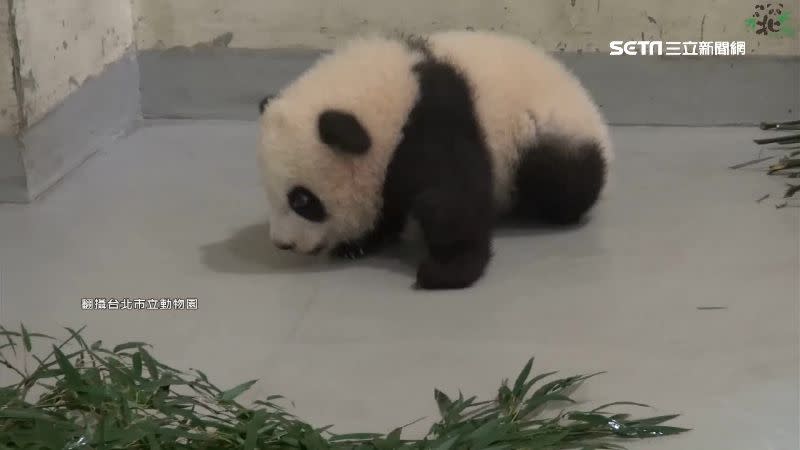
<point x="320" y="181"/>
<point x="327" y="140"/>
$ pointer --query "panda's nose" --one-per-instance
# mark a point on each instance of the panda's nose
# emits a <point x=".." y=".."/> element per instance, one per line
<point x="283" y="245"/>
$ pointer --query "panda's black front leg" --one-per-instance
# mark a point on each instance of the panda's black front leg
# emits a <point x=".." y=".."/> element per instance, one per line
<point x="457" y="233"/>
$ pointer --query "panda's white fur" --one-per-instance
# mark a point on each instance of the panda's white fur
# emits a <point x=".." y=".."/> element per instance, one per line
<point x="518" y="90"/>
<point x="372" y="78"/>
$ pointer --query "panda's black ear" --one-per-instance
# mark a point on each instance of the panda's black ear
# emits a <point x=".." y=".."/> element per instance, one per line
<point x="262" y="105"/>
<point x="343" y="132"/>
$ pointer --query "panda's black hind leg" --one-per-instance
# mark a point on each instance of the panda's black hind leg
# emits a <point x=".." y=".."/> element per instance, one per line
<point x="559" y="180"/>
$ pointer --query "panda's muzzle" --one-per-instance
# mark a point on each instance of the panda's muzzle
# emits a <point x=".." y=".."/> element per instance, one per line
<point x="292" y="247"/>
<point x="283" y="246"/>
<point x="317" y="250"/>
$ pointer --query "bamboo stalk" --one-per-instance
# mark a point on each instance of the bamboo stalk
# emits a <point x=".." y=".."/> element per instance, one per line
<point x="789" y="139"/>
<point x="790" y="125"/>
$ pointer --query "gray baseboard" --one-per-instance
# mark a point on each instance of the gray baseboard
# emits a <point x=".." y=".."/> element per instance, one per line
<point x="215" y="82"/>
<point x="103" y="108"/>
<point x="225" y="83"/>
<point x="691" y="91"/>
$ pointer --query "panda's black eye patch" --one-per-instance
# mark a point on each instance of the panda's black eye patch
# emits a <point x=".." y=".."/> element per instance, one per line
<point x="306" y="205"/>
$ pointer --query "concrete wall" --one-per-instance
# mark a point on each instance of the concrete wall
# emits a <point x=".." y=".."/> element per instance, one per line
<point x="9" y="117"/>
<point x="73" y="86"/>
<point x="77" y="83"/>
<point x="569" y="25"/>
<point x="62" y="43"/>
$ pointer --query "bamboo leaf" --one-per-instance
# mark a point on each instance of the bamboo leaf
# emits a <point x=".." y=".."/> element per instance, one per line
<point x="231" y="394"/>
<point x="443" y="401"/>
<point x="149" y="362"/>
<point x="97" y="398"/>
<point x="252" y="430"/>
<point x="602" y="407"/>
<point x="128" y="346"/>
<point x="26" y="338"/>
<point x="523" y="376"/>
<point x="70" y="373"/>
<point x="448" y="444"/>
<point x="137" y="365"/>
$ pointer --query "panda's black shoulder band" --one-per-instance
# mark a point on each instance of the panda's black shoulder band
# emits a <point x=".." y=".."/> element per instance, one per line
<point x="343" y="132"/>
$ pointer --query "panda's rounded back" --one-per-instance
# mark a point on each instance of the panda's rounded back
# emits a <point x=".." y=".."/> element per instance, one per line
<point x="520" y="91"/>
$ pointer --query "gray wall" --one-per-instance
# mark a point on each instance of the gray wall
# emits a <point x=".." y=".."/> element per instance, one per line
<point x="568" y="25"/>
<point x="85" y="72"/>
<point x="69" y="84"/>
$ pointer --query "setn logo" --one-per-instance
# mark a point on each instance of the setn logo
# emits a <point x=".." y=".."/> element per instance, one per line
<point x="633" y="48"/>
<point x="674" y="48"/>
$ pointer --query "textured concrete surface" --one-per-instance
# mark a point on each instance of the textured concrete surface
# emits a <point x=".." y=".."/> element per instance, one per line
<point x="106" y="107"/>
<point x="61" y="44"/>
<point x="176" y="210"/>
<point x="9" y="110"/>
<point x="214" y="83"/>
<point x="575" y="25"/>
<point x="69" y="83"/>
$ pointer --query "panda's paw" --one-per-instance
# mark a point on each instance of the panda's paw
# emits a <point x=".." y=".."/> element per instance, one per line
<point x="349" y="250"/>
<point x="458" y="274"/>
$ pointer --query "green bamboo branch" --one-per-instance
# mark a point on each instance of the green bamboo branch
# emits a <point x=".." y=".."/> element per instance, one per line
<point x="124" y="398"/>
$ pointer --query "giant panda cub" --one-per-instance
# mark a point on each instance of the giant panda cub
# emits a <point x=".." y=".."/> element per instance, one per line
<point x="452" y="131"/>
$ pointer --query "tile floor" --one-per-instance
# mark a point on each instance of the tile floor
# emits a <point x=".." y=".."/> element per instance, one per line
<point x="175" y="210"/>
